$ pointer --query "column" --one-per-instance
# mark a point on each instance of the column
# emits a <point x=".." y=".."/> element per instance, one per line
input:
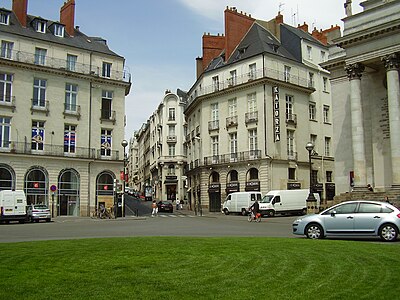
<point x="391" y="63"/>
<point x="354" y="73"/>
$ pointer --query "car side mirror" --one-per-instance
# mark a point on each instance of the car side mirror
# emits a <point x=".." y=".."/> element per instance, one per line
<point x="333" y="213"/>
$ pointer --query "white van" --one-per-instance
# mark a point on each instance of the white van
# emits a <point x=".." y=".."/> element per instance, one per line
<point x="12" y="206"/>
<point x="239" y="202"/>
<point x="286" y="202"/>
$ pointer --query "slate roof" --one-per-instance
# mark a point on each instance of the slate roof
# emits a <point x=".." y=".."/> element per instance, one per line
<point x="80" y="40"/>
<point x="258" y="40"/>
<point x="302" y="34"/>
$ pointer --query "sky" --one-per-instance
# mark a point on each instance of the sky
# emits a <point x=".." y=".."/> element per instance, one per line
<point x="160" y="39"/>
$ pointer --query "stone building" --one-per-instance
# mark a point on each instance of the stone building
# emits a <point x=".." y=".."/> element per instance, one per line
<point x="62" y="111"/>
<point x="260" y="96"/>
<point x="364" y="67"/>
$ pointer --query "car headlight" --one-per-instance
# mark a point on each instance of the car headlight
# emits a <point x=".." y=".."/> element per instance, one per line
<point x="298" y="220"/>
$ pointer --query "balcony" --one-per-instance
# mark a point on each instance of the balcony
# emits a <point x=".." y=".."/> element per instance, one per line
<point x="291" y="119"/>
<point x="231" y="121"/>
<point x="7" y="102"/>
<point x="107" y="116"/>
<point x="251" y="117"/>
<point x="38" y="105"/>
<point x="232" y="157"/>
<point x="213" y="125"/>
<point x="48" y="149"/>
<point x="64" y="65"/>
<point x="72" y="110"/>
<point x="171" y="139"/>
<point x="265" y="73"/>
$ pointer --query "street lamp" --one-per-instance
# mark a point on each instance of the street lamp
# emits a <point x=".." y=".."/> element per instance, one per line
<point x="124" y="143"/>
<point x="311" y="201"/>
<point x="200" y="156"/>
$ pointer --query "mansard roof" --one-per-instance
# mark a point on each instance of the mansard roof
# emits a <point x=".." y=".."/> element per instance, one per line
<point x="79" y="40"/>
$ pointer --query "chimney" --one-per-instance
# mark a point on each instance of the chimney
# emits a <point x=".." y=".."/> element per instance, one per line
<point x="303" y="27"/>
<point x="279" y="18"/>
<point x="212" y="47"/>
<point x="20" y="9"/>
<point x="67" y="16"/>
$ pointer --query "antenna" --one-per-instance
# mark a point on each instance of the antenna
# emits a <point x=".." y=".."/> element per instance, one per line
<point x="294" y="18"/>
<point x="280" y="6"/>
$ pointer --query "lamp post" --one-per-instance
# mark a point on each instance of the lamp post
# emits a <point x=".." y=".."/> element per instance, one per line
<point x="311" y="201"/>
<point x="124" y="143"/>
<point x="200" y="212"/>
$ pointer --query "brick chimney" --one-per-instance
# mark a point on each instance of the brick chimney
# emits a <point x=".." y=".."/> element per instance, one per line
<point x="236" y="26"/>
<point x="67" y="16"/>
<point x="212" y="47"/>
<point x="303" y="27"/>
<point x="20" y="9"/>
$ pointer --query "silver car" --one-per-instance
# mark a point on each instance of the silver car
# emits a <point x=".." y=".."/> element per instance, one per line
<point x="356" y="218"/>
<point x="37" y="212"/>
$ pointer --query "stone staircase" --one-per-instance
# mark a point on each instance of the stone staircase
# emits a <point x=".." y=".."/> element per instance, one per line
<point x="393" y="197"/>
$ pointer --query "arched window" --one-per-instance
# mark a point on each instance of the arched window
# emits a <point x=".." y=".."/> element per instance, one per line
<point x="233" y="176"/>
<point x="253" y="174"/>
<point x="36" y="186"/>
<point x="7" y="178"/>
<point x="68" y="192"/>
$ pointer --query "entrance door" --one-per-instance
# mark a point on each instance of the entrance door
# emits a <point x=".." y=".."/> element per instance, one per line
<point x="215" y="202"/>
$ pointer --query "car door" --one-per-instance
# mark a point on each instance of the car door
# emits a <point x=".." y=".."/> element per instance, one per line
<point x="340" y="219"/>
<point x="368" y="218"/>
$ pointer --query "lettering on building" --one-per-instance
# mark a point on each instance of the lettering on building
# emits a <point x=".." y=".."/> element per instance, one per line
<point x="277" y="126"/>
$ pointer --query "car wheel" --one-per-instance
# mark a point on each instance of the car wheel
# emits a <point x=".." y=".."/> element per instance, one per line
<point x="226" y="211"/>
<point x="388" y="232"/>
<point x="244" y="212"/>
<point x="314" y="231"/>
<point x="271" y="213"/>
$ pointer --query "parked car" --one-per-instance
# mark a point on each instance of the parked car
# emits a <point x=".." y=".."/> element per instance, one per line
<point x="165" y="206"/>
<point x="37" y="212"/>
<point x="352" y="218"/>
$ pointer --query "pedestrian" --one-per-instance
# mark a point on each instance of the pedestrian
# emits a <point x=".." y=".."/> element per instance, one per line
<point x="154" y="212"/>
<point x="370" y="188"/>
<point x="177" y="204"/>
<point x="181" y="204"/>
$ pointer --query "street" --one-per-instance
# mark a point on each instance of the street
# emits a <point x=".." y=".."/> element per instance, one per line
<point x="181" y="223"/>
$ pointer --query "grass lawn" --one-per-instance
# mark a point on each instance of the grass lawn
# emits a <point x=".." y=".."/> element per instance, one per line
<point x="199" y="268"/>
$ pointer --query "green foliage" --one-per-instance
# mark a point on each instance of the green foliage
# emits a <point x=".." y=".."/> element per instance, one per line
<point x="199" y="268"/>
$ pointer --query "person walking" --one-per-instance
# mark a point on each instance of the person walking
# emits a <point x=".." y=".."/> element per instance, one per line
<point x="154" y="212"/>
<point x="177" y="204"/>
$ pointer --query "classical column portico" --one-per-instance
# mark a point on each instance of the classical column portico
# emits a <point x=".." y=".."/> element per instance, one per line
<point x="354" y="73"/>
<point x="393" y="89"/>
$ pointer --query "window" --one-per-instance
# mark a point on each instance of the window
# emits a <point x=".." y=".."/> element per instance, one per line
<point x="214" y="112"/>
<point x="215" y="146"/>
<point x="251" y="103"/>
<point x="313" y="140"/>
<point x="343" y="209"/>
<point x="39" y="92"/>
<point x="289" y="107"/>
<point x="106" y="70"/>
<point x="253" y="146"/>
<point x="326" y="114"/>
<point x="5" y="129"/>
<point x="252" y="72"/>
<point x="105" y="140"/>
<point x="286" y="73"/>
<point x="71" y="91"/>
<point x="41" y="26"/>
<point x="4" y="18"/>
<point x="106" y="104"/>
<point x="69" y="138"/>
<point x="312" y="110"/>
<point x="292" y="174"/>
<point x="370" y="208"/>
<point x="325" y="83"/>
<point x="71" y="62"/>
<point x="59" y="30"/>
<point x="314" y="176"/>
<point x="171" y="150"/>
<point x="171" y="170"/>
<point x="328" y="176"/>
<point x="37" y="142"/>
<point x="327" y="146"/>
<point x="40" y="56"/>
<point x="171" y="114"/>
<point x="323" y="56"/>
<point x="5" y="87"/>
<point x="6" y="49"/>
<point x="233" y="79"/>
<point x="310" y="79"/>
<point x="290" y="144"/>
<point x="309" y="52"/>
<point x="171" y="130"/>
<point x="215" y="82"/>
<point x="233" y="146"/>
<point x="232" y="107"/>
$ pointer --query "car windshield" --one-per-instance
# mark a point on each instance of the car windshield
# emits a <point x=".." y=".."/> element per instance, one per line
<point x="267" y="199"/>
<point x="40" y="206"/>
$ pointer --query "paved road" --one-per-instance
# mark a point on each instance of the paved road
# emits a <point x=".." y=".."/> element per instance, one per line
<point x="180" y="223"/>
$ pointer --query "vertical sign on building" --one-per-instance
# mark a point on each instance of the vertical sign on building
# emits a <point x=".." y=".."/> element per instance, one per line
<point x="277" y="126"/>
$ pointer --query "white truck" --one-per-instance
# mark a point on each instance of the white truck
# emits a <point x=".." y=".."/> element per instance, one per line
<point x="12" y="206"/>
<point x="285" y="202"/>
<point x="239" y="202"/>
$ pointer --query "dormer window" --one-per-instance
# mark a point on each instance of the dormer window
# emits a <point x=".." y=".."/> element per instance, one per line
<point x="59" y="30"/>
<point x="4" y="18"/>
<point x="41" y="26"/>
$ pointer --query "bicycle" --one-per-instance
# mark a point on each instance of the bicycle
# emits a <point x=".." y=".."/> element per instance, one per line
<point x="256" y="218"/>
